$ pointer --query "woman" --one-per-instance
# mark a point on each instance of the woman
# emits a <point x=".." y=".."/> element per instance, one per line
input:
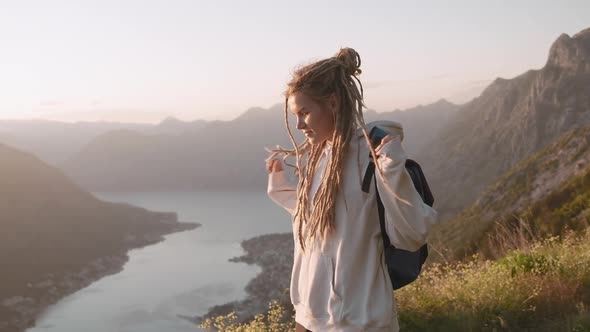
<point x="339" y="280"/>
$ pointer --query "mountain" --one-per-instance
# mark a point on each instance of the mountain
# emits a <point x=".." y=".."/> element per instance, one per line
<point x="53" y="141"/>
<point x="512" y="119"/>
<point x="172" y="125"/>
<point x="56" y="238"/>
<point x="421" y="123"/>
<point x="221" y="155"/>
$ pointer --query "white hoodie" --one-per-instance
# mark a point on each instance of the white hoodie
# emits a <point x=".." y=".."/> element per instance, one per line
<point x="341" y="283"/>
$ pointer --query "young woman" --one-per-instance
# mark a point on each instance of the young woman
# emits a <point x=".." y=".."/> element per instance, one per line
<point x="339" y="280"/>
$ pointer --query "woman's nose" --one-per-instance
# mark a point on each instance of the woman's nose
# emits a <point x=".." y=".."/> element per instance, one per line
<point x="300" y="123"/>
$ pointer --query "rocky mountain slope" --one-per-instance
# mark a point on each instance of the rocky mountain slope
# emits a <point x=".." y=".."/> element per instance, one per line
<point x="512" y="119"/>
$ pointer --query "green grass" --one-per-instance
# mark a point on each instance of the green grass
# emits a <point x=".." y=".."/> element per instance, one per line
<point x="529" y="289"/>
<point x="276" y="319"/>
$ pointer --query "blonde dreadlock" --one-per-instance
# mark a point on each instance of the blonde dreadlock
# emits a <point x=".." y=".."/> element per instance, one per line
<point x="332" y="76"/>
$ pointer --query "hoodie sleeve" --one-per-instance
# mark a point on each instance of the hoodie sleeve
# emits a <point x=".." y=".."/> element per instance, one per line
<point x="281" y="191"/>
<point x="408" y="219"/>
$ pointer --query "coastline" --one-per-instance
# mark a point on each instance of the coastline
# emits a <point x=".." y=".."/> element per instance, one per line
<point x="274" y="254"/>
<point x="54" y="287"/>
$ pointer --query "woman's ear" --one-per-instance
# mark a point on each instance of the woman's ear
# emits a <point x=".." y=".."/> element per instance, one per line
<point x="334" y="103"/>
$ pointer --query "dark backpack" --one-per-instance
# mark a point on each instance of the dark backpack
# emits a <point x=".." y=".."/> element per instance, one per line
<point x="403" y="266"/>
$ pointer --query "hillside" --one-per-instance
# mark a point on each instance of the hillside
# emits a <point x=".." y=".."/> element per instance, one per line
<point x="549" y="180"/>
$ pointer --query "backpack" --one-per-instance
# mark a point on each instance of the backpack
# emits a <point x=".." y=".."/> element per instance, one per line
<point x="403" y="266"/>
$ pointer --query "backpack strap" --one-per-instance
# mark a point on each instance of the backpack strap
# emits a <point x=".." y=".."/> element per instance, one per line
<point x="381" y="211"/>
<point x="419" y="181"/>
<point x="375" y="141"/>
<point x="369" y="175"/>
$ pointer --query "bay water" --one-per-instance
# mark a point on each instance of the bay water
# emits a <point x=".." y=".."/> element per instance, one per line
<point x="184" y="275"/>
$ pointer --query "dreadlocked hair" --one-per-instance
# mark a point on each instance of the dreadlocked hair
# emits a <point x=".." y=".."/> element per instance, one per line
<point x="320" y="80"/>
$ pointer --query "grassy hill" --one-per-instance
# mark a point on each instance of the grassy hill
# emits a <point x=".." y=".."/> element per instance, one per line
<point x="544" y="287"/>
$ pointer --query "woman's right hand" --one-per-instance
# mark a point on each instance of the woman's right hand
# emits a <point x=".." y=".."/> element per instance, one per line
<point x="273" y="164"/>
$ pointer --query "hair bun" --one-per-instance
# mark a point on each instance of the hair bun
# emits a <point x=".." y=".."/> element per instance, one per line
<point x="351" y="60"/>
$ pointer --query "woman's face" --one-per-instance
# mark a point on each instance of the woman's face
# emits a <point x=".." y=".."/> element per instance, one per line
<point x="315" y="120"/>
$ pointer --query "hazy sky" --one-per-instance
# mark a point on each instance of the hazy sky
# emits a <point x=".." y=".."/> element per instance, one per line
<point x="142" y="60"/>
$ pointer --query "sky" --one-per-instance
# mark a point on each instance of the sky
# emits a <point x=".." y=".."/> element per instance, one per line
<point x="144" y="60"/>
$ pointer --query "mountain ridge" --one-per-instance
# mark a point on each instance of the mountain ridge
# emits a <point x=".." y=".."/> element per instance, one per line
<point x="224" y="155"/>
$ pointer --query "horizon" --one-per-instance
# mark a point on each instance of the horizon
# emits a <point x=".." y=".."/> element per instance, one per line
<point x="118" y="66"/>
<point x="158" y="121"/>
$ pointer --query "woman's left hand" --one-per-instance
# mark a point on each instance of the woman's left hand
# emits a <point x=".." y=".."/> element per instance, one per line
<point x="273" y="164"/>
